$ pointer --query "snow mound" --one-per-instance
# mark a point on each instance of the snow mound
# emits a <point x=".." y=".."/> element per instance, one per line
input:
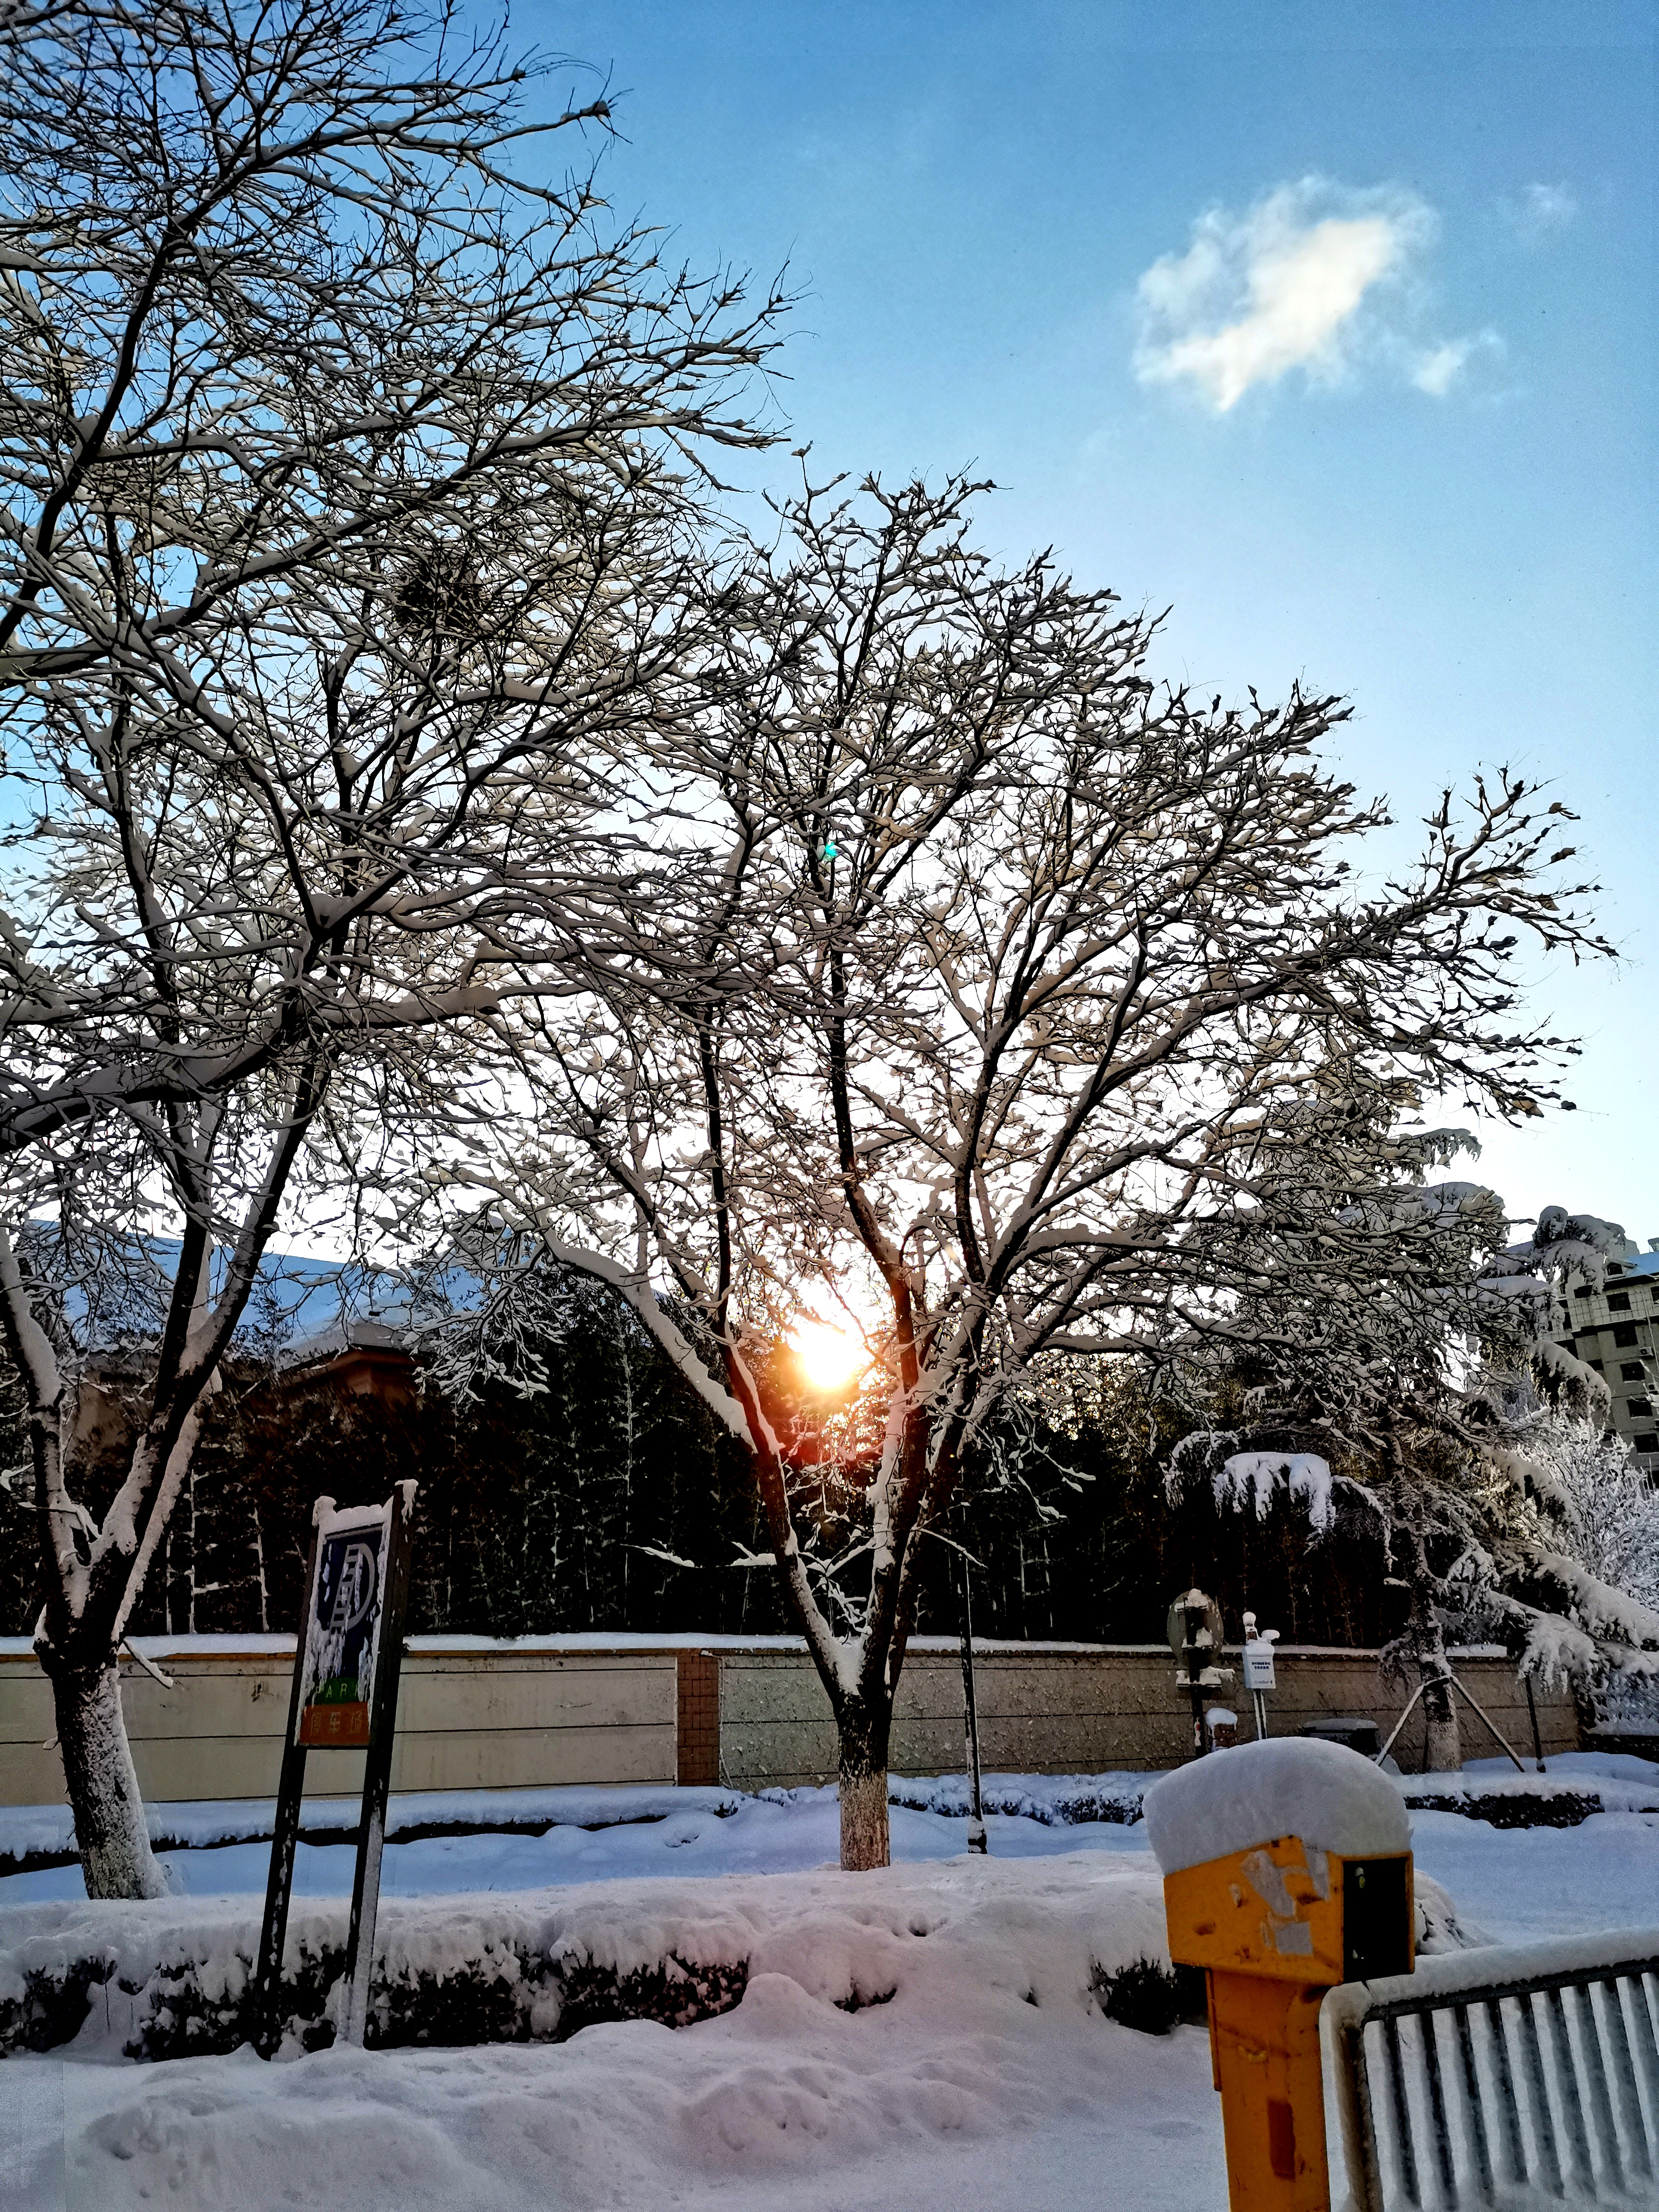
<point x="925" y="2036"/>
<point x="1441" y="1928"/>
<point x="172" y="1976"/>
<point x="945" y="2036"/>
<point x="1294" y="1786"/>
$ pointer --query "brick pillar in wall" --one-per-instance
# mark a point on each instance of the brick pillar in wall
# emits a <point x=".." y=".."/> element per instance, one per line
<point x="699" y="1745"/>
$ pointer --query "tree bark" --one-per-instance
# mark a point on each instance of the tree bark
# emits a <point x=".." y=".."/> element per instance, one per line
<point x="1443" y="1747"/>
<point x="863" y="1733"/>
<point x="110" y="1827"/>
<point x="1443" y="1750"/>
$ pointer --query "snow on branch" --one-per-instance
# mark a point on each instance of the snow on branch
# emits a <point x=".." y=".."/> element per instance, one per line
<point x="1606" y="1613"/>
<point x="641" y="1299"/>
<point x="1304" y="1475"/>
<point x="1239" y="1476"/>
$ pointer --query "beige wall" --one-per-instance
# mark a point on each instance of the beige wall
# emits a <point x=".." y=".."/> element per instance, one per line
<point x="517" y="1716"/>
<point x="492" y="1720"/>
<point x="1070" y="1712"/>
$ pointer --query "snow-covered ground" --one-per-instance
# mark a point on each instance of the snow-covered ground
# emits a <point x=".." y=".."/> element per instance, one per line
<point x="989" y="2076"/>
<point x="647" y="1831"/>
<point x="532" y="1838"/>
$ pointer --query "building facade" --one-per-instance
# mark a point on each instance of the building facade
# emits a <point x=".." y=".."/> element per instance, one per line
<point x="1614" y="1328"/>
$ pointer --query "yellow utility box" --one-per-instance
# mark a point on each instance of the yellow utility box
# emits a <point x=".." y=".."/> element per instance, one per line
<point x="1275" y="1922"/>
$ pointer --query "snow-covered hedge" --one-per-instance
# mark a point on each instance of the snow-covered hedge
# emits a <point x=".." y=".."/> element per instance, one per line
<point x="171" y="1979"/>
<point x="181" y="1984"/>
<point x="1056" y="1800"/>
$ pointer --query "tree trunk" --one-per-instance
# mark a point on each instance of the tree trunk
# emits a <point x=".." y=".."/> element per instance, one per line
<point x="864" y="1838"/>
<point x="1443" y="1750"/>
<point x="116" y="1859"/>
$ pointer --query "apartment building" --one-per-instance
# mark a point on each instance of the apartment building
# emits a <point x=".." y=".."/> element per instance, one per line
<point x="1615" y="1330"/>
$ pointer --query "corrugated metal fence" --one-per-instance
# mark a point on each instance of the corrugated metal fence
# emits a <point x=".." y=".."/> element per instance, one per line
<point x="1502" y="2078"/>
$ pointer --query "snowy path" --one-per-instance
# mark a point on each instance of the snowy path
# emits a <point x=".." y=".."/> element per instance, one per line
<point x="771" y="2109"/>
<point x="989" y="2079"/>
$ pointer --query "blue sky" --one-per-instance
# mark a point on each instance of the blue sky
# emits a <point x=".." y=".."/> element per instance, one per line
<point x="1330" y="327"/>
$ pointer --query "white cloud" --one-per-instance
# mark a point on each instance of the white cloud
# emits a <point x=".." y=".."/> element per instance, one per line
<point x="1542" y="211"/>
<point x="1290" y="284"/>
<point x="1437" y="372"/>
<point x="1437" y="369"/>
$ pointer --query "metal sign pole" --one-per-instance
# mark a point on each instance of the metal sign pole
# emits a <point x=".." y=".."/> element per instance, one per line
<point x="285" y="1836"/>
<point x="377" y="1771"/>
<point x="350" y="1644"/>
<point x="971" y="1712"/>
<point x="1193" y="1658"/>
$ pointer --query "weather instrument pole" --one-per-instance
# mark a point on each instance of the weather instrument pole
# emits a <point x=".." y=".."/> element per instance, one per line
<point x="1259" y="1676"/>
<point x="1194" y="1631"/>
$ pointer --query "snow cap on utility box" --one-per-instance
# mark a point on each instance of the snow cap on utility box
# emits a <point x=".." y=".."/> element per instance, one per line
<point x="1232" y="1801"/>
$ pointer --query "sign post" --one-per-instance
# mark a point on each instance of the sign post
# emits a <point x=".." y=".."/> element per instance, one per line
<point x="346" y="1671"/>
<point x="1194" y="1630"/>
<point x="377" y="1772"/>
<point x="285" y="1837"/>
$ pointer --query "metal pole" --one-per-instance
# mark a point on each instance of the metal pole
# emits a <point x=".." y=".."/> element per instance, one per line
<point x="377" y="1771"/>
<point x="1491" y="1724"/>
<point x="970" y="1715"/>
<point x="1410" y="1704"/>
<point x="1532" y="1707"/>
<point x="285" y="1834"/>
<point x="1193" y="1654"/>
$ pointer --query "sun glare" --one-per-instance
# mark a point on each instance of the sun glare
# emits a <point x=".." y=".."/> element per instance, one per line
<point x="829" y="1357"/>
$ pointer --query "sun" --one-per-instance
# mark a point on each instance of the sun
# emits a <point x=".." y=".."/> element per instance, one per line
<point x="828" y="1357"/>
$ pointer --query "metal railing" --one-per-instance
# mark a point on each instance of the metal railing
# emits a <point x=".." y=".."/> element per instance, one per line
<point x="1516" y="2077"/>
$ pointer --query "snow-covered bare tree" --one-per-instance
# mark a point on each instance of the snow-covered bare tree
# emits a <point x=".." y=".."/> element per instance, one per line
<point x="347" y="518"/>
<point x="949" y="973"/>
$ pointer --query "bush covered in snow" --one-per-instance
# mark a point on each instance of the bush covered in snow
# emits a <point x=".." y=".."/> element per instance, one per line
<point x="195" y="1997"/>
<point x="171" y="1979"/>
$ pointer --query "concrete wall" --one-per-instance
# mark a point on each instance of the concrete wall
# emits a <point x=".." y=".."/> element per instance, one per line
<point x="503" y="1719"/>
<point x="1066" y="1710"/>
<point x="1587" y="1322"/>
<point x="474" y="1715"/>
